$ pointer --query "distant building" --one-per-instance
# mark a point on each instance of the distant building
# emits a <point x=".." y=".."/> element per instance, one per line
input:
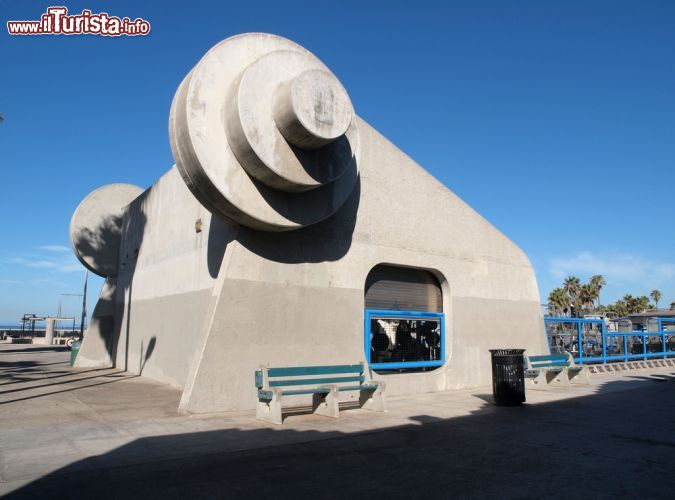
<point x="640" y="320"/>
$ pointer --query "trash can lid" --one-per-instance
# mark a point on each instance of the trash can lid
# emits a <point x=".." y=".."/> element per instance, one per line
<point x="507" y="352"/>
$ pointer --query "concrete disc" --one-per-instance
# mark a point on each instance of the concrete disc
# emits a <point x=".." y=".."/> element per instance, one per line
<point x="96" y="225"/>
<point x="278" y="81"/>
<point x="253" y="187"/>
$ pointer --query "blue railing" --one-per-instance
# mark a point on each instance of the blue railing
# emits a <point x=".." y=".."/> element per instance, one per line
<point x="371" y="314"/>
<point x="590" y="342"/>
<point x="663" y="322"/>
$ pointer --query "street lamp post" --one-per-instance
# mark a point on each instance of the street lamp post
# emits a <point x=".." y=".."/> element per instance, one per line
<point x="60" y="312"/>
<point x="84" y="304"/>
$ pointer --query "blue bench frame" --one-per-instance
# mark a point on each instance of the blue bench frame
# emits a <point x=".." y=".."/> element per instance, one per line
<point x="324" y="383"/>
<point x="555" y="369"/>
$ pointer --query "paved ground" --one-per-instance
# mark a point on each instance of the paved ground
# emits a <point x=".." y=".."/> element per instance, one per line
<point x="67" y="433"/>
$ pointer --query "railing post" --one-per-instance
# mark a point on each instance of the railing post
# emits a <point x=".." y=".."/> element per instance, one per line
<point x="581" y="341"/>
<point x="625" y="348"/>
<point x="604" y="342"/>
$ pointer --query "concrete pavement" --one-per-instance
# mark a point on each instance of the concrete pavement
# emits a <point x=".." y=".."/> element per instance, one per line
<point x="83" y="433"/>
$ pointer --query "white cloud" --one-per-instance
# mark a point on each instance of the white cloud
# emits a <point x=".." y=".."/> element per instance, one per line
<point x="55" y="248"/>
<point x="618" y="269"/>
<point x="60" y="264"/>
<point x="51" y="280"/>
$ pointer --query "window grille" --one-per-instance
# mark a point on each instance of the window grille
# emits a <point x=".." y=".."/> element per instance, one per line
<point x="404" y="321"/>
<point x="399" y="340"/>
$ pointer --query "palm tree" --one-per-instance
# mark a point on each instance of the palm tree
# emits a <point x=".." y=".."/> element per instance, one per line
<point x="558" y="302"/>
<point x="635" y="304"/>
<point x="598" y="281"/>
<point x="572" y="287"/>
<point x="656" y="296"/>
<point x="587" y="294"/>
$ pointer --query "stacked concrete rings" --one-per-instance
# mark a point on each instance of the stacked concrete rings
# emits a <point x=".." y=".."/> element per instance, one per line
<point x="264" y="134"/>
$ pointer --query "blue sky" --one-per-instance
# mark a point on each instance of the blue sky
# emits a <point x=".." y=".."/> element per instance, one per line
<point x="555" y="120"/>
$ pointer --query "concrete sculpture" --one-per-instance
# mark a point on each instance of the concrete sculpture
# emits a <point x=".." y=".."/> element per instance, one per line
<point x="290" y="144"/>
<point x="255" y="248"/>
<point x="95" y="228"/>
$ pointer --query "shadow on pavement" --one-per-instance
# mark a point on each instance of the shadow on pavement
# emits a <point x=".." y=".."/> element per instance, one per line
<point x="24" y="376"/>
<point x="22" y="380"/>
<point x="70" y="381"/>
<point x="31" y="350"/>
<point x="618" y="442"/>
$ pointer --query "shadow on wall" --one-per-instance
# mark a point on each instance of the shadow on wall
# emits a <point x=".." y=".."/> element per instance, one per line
<point x="148" y="352"/>
<point x="329" y="240"/>
<point x="133" y="231"/>
<point x="127" y="233"/>
<point x="93" y="245"/>
<point x="496" y="452"/>
<point x="221" y="233"/>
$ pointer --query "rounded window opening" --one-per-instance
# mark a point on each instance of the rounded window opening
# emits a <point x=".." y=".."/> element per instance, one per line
<point x="404" y="320"/>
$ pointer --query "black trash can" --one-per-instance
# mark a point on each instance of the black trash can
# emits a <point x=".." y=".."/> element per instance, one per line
<point x="508" y="376"/>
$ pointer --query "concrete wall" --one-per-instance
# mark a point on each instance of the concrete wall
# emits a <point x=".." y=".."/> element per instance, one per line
<point x="98" y="345"/>
<point x="165" y="282"/>
<point x="202" y="310"/>
<point x="298" y="298"/>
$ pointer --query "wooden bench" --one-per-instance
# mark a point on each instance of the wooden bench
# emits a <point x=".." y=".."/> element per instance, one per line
<point x="555" y="369"/>
<point x="324" y="383"/>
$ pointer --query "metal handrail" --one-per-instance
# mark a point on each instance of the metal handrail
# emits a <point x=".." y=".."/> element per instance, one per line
<point x="610" y="350"/>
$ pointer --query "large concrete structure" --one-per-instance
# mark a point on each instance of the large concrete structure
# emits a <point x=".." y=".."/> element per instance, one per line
<point x="257" y="246"/>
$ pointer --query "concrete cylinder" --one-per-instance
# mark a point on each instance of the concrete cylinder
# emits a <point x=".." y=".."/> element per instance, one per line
<point x="49" y="334"/>
<point x="312" y="109"/>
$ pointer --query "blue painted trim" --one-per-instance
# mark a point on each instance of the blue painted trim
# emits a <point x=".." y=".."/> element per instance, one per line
<point x="604" y="344"/>
<point x="571" y="320"/>
<point x="606" y="339"/>
<point x="300" y="371"/>
<point x="406" y="364"/>
<point x="550" y="357"/>
<point x="314" y="381"/>
<point x="384" y="313"/>
<point x="666" y="320"/>
<point x="580" y="341"/>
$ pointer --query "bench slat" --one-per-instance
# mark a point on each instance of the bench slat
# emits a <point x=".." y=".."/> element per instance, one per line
<point x="317" y="390"/>
<point x="267" y="395"/>
<point x="299" y="371"/>
<point x="549" y="357"/>
<point x="358" y="388"/>
<point x="546" y="365"/>
<point x="313" y="381"/>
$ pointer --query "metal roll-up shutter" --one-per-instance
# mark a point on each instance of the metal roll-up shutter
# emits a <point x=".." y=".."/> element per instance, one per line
<point x="403" y="289"/>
